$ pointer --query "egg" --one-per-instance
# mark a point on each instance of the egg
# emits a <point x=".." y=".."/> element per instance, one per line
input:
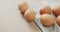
<point x="23" y="6"/>
<point x="56" y="11"/>
<point x="45" y="10"/>
<point x="47" y="20"/>
<point x="58" y="20"/>
<point x="29" y="15"/>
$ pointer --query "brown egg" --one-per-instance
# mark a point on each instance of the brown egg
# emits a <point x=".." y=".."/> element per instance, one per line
<point x="45" y="10"/>
<point x="29" y="15"/>
<point x="58" y="20"/>
<point x="56" y="11"/>
<point x="46" y="20"/>
<point x="23" y="6"/>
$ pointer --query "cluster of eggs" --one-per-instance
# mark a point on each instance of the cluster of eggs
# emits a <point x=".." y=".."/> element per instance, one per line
<point x="29" y="14"/>
<point x="46" y="18"/>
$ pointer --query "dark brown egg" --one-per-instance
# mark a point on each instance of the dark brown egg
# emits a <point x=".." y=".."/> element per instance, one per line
<point x="45" y="10"/>
<point x="23" y="6"/>
<point x="56" y="11"/>
<point x="58" y="20"/>
<point x="29" y="15"/>
<point x="47" y="20"/>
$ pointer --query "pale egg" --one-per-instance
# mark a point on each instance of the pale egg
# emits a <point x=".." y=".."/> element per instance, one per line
<point x="58" y="20"/>
<point x="23" y="6"/>
<point x="47" y="20"/>
<point x="29" y="14"/>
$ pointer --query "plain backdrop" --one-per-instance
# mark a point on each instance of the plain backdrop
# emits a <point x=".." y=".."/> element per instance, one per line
<point x="10" y="18"/>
